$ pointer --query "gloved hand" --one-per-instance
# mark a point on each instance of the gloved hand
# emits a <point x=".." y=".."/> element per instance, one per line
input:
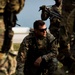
<point x="43" y="7"/>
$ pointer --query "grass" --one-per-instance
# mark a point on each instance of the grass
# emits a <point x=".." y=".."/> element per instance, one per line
<point x="16" y="46"/>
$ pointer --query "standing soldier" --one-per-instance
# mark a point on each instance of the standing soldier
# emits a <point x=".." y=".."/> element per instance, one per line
<point x="68" y="12"/>
<point x="54" y="21"/>
<point x="8" y="11"/>
<point x="12" y="8"/>
<point x="57" y="28"/>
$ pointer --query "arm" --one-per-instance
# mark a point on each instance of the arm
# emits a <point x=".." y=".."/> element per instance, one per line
<point x="49" y="13"/>
<point x="53" y="51"/>
<point x="44" y="13"/>
<point x="21" y="57"/>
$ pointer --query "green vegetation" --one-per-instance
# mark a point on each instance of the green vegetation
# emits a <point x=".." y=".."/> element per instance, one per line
<point x="16" y="46"/>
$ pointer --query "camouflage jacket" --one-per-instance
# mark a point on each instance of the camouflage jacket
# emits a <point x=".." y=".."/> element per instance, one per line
<point x="29" y="51"/>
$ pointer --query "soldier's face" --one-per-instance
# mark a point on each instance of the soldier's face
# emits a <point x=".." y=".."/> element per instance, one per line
<point x="42" y="31"/>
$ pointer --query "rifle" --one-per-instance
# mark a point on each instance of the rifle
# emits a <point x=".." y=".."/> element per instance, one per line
<point x="50" y="12"/>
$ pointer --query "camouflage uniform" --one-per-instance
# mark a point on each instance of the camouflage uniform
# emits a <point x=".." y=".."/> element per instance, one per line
<point x="71" y="31"/>
<point x="8" y="11"/>
<point x="71" y="21"/>
<point x="54" y="21"/>
<point x="30" y="49"/>
<point x="58" y="29"/>
<point x="8" y="63"/>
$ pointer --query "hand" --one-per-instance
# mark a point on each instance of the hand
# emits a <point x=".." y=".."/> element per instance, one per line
<point x="43" y="7"/>
<point x="38" y="62"/>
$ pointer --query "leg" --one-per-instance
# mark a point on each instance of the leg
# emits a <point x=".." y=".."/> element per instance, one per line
<point x="52" y="67"/>
<point x="7" y="40"/>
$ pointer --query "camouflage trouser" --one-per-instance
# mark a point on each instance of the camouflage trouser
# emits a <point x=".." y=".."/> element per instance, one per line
<point x="7" y="64"/>
<point x="7" y="40"/>
<point x="44" y="69"/>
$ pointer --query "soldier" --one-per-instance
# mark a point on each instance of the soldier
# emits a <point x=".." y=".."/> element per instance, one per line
<point x="37" y="53"/>
<point x="71" y="31"/>
<point x="54" y="21"/>
<point x="12" y="7"/>
<point x="57" y="28"/>
<point x="8" y="11"/>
